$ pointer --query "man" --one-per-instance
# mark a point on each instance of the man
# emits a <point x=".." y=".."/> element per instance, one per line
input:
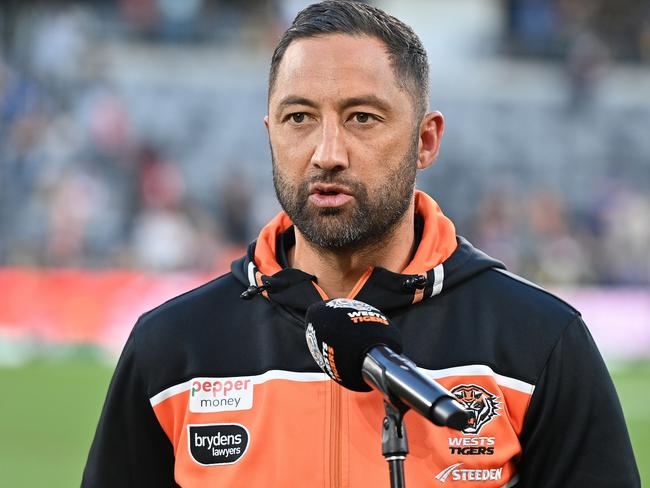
<point x="217" y="387"/>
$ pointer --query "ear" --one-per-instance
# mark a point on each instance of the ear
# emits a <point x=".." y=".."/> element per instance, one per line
<point x="431" y="130"/>
<point x="266" y="122"/>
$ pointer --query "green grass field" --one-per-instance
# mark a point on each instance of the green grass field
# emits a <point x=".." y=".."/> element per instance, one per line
<point x="49" y="410"/>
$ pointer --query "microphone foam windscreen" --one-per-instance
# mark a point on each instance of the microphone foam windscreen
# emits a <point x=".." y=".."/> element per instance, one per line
<point x="339" y="334"/>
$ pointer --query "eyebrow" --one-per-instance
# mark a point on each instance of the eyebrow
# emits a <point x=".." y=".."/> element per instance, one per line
<point x="295" y="100"/>
<point x="372" y="100"/>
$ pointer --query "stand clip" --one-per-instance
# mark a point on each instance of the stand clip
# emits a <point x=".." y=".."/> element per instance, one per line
<point x="394" y="443"/>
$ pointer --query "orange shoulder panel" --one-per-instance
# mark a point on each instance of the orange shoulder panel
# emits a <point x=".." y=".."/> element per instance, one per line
<point x="438" y="238"/>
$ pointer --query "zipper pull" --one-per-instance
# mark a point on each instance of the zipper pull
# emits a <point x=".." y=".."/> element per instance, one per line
<point x="253" y="290"/>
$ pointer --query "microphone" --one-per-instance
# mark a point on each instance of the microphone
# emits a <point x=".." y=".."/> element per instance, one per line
<point x="358" y="347"/>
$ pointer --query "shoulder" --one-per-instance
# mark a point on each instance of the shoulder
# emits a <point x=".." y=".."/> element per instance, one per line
<point x="524" y="296"/>
<point x="497" y="298"/>
<point x="528" y="321"/>
<point x="185" y="322"/>
<point x="174" y="339"/>
<point x="194" y="306"/>
<point x="501" y="320"/>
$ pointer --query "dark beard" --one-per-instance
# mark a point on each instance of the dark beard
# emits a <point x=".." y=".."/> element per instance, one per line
<point x="369" y="220"/>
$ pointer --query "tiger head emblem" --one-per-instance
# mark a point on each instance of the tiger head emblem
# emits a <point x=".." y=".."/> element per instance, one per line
<point x="480" y="403"/>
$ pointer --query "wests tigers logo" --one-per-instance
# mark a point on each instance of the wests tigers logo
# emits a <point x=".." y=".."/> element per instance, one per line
<point x="482" y="405"/>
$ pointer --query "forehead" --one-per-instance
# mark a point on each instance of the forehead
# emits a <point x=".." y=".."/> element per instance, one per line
<point x="336" y="65"/>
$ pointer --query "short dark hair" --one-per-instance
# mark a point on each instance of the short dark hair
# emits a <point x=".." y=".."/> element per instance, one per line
<point x="405" y="50"/>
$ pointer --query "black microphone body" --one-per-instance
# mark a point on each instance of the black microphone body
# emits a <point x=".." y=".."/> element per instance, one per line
<point x="398" y="378"/>
<point x="358" y="347"/>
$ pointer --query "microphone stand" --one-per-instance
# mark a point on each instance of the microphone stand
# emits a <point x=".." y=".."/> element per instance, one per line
<point x="394" y="443"/>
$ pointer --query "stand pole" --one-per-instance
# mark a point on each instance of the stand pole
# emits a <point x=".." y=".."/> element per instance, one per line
<point x="396" y="469"/>
<point x="394" y="444"/>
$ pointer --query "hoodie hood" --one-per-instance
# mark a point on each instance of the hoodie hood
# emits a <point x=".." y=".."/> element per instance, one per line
<point x="441" y="261"/>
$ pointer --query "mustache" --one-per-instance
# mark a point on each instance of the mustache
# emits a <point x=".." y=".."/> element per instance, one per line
<point x="332" y="178"/>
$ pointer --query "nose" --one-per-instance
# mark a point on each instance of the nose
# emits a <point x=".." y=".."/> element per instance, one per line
<point x="330" y="153"/>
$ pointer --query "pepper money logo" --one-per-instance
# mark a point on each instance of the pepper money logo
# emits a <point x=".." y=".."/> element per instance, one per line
<point x="481" y="404"/>
<point x="215" y="444"/>
<point x="220" y="394"/>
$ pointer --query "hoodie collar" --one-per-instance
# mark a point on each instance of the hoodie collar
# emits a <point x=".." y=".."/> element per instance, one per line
<point x="439" y="252"/>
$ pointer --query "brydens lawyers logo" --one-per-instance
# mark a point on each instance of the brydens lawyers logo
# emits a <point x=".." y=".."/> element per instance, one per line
<point x="216" y="444"/>
<point x="482" y="405"/>
<point x="220" y="394"/>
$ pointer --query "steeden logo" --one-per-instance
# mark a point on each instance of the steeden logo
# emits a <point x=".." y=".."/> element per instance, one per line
<point x="220" y="394"/>
<point x="457" y="474"/>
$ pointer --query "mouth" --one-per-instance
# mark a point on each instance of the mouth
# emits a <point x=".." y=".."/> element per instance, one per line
<point x="329" y="195"/>
<point x="329" y="189"/>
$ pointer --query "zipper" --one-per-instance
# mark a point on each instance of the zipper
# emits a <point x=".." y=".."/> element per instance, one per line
<point x="335" y="436"/>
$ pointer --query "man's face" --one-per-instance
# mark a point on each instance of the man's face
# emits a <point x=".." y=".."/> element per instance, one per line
<point x="343" y="139"/>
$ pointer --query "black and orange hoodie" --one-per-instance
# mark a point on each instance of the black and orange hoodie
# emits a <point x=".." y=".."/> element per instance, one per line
<point x="217" y="388"/>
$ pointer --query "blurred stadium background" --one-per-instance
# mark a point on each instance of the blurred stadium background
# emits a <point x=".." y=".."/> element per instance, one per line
<point x="134" y="165"/>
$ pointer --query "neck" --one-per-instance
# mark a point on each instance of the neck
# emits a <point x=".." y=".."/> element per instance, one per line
<point x="339" y="271"/>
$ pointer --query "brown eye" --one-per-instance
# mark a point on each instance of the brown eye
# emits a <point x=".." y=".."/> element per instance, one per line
<point x="298" y="118"/>
<point x="362" y="117"/>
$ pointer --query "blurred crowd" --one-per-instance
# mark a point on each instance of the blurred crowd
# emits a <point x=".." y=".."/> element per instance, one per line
<point x="81" y="185"/>
<point x="549" y="27"/>
<point x="547" y="241"/>
<point x="80" y="188"/>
